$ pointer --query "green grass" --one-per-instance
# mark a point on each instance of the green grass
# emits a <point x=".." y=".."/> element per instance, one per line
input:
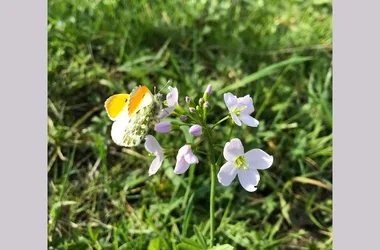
<point x="279" y="52"/>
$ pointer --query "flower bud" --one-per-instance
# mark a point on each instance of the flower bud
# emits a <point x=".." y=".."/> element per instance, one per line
<point x="163" y="127"/>
<point x="187" y="99"/>
<point x="206" y="104"/>
<point x="208" y="89"/>
<point x="183" y="118"/>
<point x="195" y="130"/>
<point x="192" y="110"/>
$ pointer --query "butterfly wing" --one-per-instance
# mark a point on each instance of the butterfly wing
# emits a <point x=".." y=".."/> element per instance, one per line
<point x="131" y="127"/>
<point x="115" y="105"/>
<point x="130" y="131"/>
<point x="140" y="98"/>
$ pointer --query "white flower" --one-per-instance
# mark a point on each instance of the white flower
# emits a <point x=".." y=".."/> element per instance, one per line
<point x="244" y="165"/>
<point x="240" y="109"/>
<point x="153" y="147"/>
<point x="172" y="100"/>
<point x="185" y="157"/>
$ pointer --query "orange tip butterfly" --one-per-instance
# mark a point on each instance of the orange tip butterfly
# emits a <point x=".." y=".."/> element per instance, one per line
<point x="132" y="114"/>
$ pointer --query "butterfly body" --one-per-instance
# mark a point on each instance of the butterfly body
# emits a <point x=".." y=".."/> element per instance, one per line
<point x="132" y="115"/>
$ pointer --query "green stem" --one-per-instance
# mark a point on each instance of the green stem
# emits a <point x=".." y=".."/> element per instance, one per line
<point x="212" y="187"/>
<point x="213" y="182"/>
<point x="188" y="189"/>
<point x="220" y="121"/>
<point x="212" y="204"/>
<point x="231" y="130"/>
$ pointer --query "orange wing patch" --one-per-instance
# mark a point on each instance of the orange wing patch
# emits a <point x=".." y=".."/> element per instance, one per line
<point x="115" y="104"/>
<point x="136" y="99"/>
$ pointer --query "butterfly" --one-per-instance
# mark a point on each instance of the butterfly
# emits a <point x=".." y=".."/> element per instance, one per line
<point x="132" y="114"/>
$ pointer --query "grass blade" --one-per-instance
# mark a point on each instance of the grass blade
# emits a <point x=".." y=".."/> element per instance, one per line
<point x="200" y="237"/>
<point x="187" y="216"/>
<point x="263" y="73"/>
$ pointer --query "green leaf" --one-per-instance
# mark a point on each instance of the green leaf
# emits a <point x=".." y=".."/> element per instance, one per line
<point x="200" y="237"/>
<point x="189" y="138"/>
<point x="222" y="247"/>
<point x="321" y="2"/>
<point x="154" y="244"/>
<point x="188" y="244"/>
<point x="187" y="216"/>
<point x="285" y="207"/>
<point x="276" y="227"/>
<point x="263" y="72"/>
<point x="129" y="64"/>
<point x="185" y="246"/>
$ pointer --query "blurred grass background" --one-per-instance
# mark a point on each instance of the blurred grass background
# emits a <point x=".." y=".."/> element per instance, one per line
<point x="279" y="52"/>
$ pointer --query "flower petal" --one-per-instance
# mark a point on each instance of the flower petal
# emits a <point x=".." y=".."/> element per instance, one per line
<point x="185" y="149"/>
<point x="191" y="158"/>
<point x="163" y="127"/>
<point x="227" y="174"/>
<point x="233" y="149"/>
<point x="258" y="159"/>
<point x="235" y="118"/>
<point x="231" y="101"/>
<point x="166" y="112"/>
<point x="181" y="166"/>
<point x="249" y="120"/>
<point x="156" y="164"/>
<point x="249" y="179"/>
<point x="172" y="96"/>
<point x="152" y="145"/>
<point x="246" y="102"/>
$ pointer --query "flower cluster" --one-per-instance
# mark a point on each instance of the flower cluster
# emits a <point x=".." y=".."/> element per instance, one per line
<point x="238" y="163"/>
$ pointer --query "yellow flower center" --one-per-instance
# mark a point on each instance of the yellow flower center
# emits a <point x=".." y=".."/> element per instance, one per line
<point x="240" y="162"/>
<point x="238" y="111"/>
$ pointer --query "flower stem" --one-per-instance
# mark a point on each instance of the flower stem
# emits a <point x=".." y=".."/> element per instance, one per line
<point x="220" y="121"/>
<point x="212" y="187"/>
<point x="213" y="181"/>
<point x="212" y="204"/>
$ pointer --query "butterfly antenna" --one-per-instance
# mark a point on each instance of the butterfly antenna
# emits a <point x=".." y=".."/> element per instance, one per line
<point x="164" y="86"/>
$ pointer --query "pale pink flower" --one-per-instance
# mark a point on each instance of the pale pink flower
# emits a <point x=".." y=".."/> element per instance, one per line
<point x="172" y="101"/>
<point x="153" y="147"/>
<point x="240" y="109"/>
<point x="185" y="157"/>
<point x="245" y="165"/>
